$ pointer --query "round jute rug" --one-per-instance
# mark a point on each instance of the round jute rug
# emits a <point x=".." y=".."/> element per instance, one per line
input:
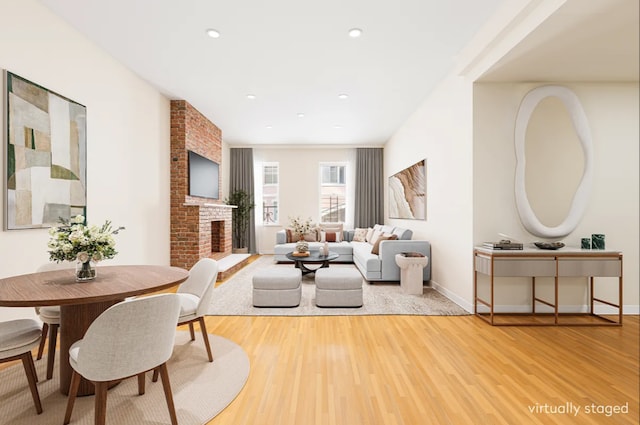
<point x="200" y="389"/>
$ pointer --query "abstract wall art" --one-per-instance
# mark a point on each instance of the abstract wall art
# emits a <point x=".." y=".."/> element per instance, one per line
<point x="45" y="155"/>
<point x="408" y="192"/>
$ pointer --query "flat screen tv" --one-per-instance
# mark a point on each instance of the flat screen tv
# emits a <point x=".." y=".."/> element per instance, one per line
<point x="203" y="177"/>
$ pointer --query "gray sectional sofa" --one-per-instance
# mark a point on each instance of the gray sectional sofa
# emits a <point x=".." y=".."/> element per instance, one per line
<point x="374" y="267"/>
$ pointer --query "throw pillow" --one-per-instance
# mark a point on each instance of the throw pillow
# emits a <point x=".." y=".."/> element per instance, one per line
<point x="376" y="234"/>
<point x="311" y="236"/>
<point x="289" y="233"/>
<point x="369" y="235"/>
<point x="359" y="235"/>
<point x="384" y="237"/>
<point x="330" y="236"/>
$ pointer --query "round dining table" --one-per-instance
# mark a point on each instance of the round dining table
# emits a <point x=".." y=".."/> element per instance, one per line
<point x="81" y="302"/>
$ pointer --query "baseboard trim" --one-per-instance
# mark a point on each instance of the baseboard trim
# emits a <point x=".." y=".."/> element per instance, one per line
<point x="627" y="309"/>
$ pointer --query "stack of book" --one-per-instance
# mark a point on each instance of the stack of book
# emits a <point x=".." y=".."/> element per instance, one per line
<point x="503" y="244"/>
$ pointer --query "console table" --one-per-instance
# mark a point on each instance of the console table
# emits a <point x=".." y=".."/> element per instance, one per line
<point x="533" y="263"/>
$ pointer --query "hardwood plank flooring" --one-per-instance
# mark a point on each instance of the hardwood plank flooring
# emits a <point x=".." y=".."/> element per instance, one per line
<point x="431" y="370"/>
<point x="422" y="370"/>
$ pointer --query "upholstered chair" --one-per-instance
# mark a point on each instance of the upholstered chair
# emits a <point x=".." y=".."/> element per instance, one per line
<point x="50" y="317"/>
<point x="195" y="296"/>
<point x="17" y="339"/>
<point x="126" y="340"/>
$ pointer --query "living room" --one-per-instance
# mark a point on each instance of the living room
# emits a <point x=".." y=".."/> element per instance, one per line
<point x="463" y="128"/>
<point x="470" y="162"/>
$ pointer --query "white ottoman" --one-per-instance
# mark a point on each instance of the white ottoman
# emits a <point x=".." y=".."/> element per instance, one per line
<point x="277" y="287"/>
<point x="338" y="287"/>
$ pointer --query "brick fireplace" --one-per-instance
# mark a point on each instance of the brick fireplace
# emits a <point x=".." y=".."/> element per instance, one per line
<point x="200" y="227"/>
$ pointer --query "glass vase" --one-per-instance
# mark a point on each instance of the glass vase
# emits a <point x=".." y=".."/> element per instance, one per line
<point x="85" y="271"/>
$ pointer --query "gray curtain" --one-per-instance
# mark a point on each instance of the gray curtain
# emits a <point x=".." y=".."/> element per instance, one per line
<point x="369" y="208"/>
<point x="241" y="178"/>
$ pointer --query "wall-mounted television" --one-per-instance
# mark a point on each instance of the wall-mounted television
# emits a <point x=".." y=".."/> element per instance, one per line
<point x="203" y="177"/>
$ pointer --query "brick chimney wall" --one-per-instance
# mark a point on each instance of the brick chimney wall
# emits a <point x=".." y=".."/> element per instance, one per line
<point x="192" y="217"/>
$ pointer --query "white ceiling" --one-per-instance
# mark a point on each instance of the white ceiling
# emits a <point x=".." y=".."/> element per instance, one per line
<point x="584" y="40"/>
<point x="295" y="56"/>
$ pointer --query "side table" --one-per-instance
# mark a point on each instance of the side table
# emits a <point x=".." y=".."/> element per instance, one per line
<point x="411" y="265"/>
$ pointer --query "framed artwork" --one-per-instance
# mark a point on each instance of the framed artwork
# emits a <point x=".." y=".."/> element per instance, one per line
<point x="408" y="192"/>
<point x="45" y="155"/>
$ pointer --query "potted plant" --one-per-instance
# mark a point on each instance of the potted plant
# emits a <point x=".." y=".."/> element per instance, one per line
<point x="241" y="216"/>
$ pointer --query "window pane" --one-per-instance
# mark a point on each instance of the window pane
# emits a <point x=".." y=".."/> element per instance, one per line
<point x="333" y="174"/>
<point x="270" y="174"/>
<point x="270" y="193"/>
<point x="333" y="193"/>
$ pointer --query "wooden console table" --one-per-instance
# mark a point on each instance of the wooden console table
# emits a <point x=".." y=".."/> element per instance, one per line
<point x="533" y="263"/>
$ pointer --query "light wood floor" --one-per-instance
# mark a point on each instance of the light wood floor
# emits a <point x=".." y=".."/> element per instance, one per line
<point x="430" y="370"/>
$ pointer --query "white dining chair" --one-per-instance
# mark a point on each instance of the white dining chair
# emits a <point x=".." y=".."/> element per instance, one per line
<point x="195" y="297"/>
<point x="17" y="339"/>
<point x="128" y="339"/>
<point x="50" y="317"/>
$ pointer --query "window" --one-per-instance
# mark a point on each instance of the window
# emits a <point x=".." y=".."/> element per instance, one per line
<point x="270" y="195"/>
<point x="333" y="174"/>
<point x="333" y="192"/>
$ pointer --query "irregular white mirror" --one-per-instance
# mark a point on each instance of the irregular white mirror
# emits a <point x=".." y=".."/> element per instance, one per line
<point x="579" y="203"/>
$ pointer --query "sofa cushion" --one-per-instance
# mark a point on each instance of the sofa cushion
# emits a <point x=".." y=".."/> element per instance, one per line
<point x="384" y="237"/>
<point x="330" y="236"/>
<point x="386" y="229"/>
<point x="311" y="236"/>
<point x="376" y="234"/>
<point x="402" y="233"/>
<point x="331" y="227"/>
<point x="359" y="235"/>
<point x="290" y="235"/>
<point x="367" y="238"/>
<point x="362" y="255"/>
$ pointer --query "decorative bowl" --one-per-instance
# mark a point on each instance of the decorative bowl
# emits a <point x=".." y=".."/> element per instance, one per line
<point x="549" y="245"/>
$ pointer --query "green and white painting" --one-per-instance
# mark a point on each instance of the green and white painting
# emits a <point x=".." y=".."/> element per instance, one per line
<point x="46" y="155"/>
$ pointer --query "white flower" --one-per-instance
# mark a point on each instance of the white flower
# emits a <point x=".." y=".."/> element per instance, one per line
<point x="74" y="240"/>
<point x="83" y="257"/>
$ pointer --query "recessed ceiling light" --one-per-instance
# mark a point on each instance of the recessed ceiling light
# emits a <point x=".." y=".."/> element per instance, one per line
<point x="343" y="96"/>
<point x="269" y="127"/>
<point x="355" y="32"/>
<point x="213" y="33"/>
<point x="300" y="115"/>
<point x="251" y="96"/>
<point x="337" y="126"/>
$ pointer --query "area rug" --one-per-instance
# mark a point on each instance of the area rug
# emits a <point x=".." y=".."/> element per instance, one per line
<point x="234" y="298"/>
<point x="200" y="389"/>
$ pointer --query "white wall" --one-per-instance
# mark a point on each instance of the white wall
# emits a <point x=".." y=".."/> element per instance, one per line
<point x="440" y="131"/>
<point x="128" y="137"/>
<point x="300" y="185"/>
<point x="612" y="112"/>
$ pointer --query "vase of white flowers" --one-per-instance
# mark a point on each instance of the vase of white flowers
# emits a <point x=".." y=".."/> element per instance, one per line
<point x="74" y="240"/>
<point x="299" y="229"/>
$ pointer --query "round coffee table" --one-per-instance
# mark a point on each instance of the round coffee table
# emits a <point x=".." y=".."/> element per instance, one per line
<point x="314" y="257"/>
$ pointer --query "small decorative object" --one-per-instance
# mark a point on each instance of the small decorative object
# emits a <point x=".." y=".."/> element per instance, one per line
<point x="74" y="240"/>
<point x="302" y="246"/>
<point x="585" y="243"/>
<point x="325" y="249"/>
<point x="300" y="227"/>
<point x="549" y="245"/>
<point x="85" y="268"/>
<point x="597" y="241"/>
